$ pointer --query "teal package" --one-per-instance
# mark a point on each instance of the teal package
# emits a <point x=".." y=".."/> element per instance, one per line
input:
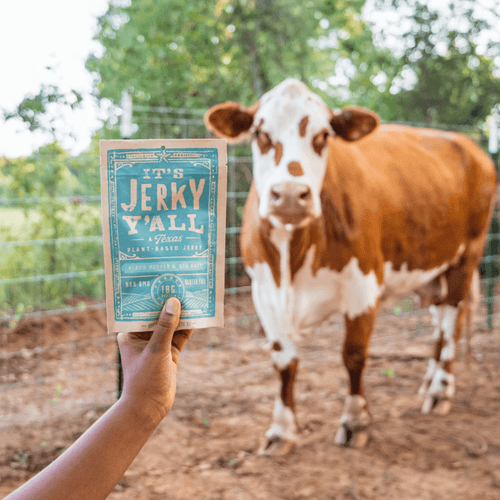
<point x="163" y="229"/>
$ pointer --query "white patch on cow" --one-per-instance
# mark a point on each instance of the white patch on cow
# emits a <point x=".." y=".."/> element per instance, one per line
<point x="280" y="237"/>
<point x="448" y="326"/>
<point x="431" y="369"/>
<point x="354" y="414"/>
<point x="283" y="424"/>
<point x="269" y="301"/>
<point x="318" y="296"/>
<point x="402" y="282"/>
<point x="280" y="113"/>
<point x="442" y="385"/>
<point x="460" y="252"/>
<point x="360" y="291"/>
<point x="438" y="383"/>
<point x="310" y="299"/>
<point x="274" y="304"/>
<point x="448" y="323"/>
<point x="283" y="358"/>
<point x="441" y="390"/>
<point x="448" y="351"/>
<point x="435" y="320"/>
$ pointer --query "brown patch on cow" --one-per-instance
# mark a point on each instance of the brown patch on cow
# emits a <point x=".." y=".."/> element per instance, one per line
<point x="278" y="152"/>
<point x="302" y="240"/>
<point x="288" y="376"/>
<point x="295" y="169"/>
<point x="448" y="367"/>
<point x="303" y="125"/>
<point x="256" y="246"/>
<point x="438" y="347"/>
<point x="355" y="348"/>
<point x="263" y="140"/>
<point x="277" y="346"/>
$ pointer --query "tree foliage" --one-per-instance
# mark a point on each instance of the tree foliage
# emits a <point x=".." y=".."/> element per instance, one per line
<point x="37" y="111"/>
<point x="180" y="54"/>
<point x="445" y="72"/>
<point x="171" y="53"/>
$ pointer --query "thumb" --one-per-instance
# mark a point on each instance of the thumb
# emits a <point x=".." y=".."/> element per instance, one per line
<point x="161" y="339"/>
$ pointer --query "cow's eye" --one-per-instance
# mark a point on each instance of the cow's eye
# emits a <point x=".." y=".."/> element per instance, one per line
<point x="263" y="140"/>
<point x="320" y="141"/>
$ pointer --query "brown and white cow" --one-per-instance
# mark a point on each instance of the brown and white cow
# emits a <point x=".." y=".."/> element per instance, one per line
<point x="344" y="212"/>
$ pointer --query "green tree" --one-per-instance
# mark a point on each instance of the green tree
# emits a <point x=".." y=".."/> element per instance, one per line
<point x="441" y="76"/>
<point x="39" y="111"/>
<point x="179" y="54"/>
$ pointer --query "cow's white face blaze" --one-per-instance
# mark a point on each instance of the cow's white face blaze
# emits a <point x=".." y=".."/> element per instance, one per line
<point x="291" y="129"/>
<point x="290" y="146"/>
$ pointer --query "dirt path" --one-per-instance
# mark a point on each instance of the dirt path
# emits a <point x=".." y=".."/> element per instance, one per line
<point x="206" y="447"/>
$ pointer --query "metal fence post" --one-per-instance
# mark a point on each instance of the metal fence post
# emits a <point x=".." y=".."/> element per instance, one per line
<point x="491" y="246"/>
<point x="119" y="374"/>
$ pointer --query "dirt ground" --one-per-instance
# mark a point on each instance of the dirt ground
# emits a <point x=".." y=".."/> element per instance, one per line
<point x="58" y="375"/>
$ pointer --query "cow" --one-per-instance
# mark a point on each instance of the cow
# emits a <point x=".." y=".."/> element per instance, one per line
<point x="343" y="213"/>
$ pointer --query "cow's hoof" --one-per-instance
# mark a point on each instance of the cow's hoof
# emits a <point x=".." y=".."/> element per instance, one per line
<point x="436" y="405"/>
<point x="352" y="439"/>
<point x="276" y="446"/>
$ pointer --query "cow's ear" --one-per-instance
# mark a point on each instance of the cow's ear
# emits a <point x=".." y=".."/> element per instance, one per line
<point x="354" y="123"/>
<point x="231" y="120"/>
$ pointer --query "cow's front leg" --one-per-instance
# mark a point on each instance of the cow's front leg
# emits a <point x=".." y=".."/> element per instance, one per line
<point x="282" y="434"/>
<point x="355" y="419"/>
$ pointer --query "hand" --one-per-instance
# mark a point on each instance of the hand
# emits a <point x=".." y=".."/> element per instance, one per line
<point x="149" y="362"/>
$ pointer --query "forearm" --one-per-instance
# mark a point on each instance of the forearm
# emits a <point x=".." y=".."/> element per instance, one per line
<point x="93" y="465"/>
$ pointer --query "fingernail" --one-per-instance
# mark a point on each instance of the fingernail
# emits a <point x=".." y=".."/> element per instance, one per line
<point x="172" y="306"/>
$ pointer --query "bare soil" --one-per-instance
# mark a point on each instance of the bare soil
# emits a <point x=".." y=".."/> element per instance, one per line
<point x="58" y="375"/>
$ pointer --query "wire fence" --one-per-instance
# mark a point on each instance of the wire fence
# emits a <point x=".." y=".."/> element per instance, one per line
<point x="58" y="293"/>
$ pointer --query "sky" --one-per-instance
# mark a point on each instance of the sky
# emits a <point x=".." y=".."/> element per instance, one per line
<point x="34" y="35"/>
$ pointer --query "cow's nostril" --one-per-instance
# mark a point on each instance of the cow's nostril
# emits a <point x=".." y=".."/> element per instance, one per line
<point x="305" y="195"/>
<point x="275" y="195"/>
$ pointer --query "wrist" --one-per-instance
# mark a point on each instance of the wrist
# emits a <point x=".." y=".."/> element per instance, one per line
<point x="142" y="412"/>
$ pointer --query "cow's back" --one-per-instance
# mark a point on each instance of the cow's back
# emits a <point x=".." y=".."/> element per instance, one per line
<point x="422" y="192"/>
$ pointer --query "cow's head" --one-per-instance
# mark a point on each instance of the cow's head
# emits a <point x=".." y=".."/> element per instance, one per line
<point x="290" y="128"/>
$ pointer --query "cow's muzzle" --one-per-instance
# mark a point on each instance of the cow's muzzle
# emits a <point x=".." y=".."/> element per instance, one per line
<point x="291" y="202"/>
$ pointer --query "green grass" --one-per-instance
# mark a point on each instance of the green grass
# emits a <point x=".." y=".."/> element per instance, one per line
<point x="17" y="225"/>
<point x="45" y="259"/>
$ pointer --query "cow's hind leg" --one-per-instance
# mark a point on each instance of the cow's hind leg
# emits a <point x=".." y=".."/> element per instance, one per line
<point x="438" y="387"/>
<point x="355" y="419"/>
<point x="282" y="434"/>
